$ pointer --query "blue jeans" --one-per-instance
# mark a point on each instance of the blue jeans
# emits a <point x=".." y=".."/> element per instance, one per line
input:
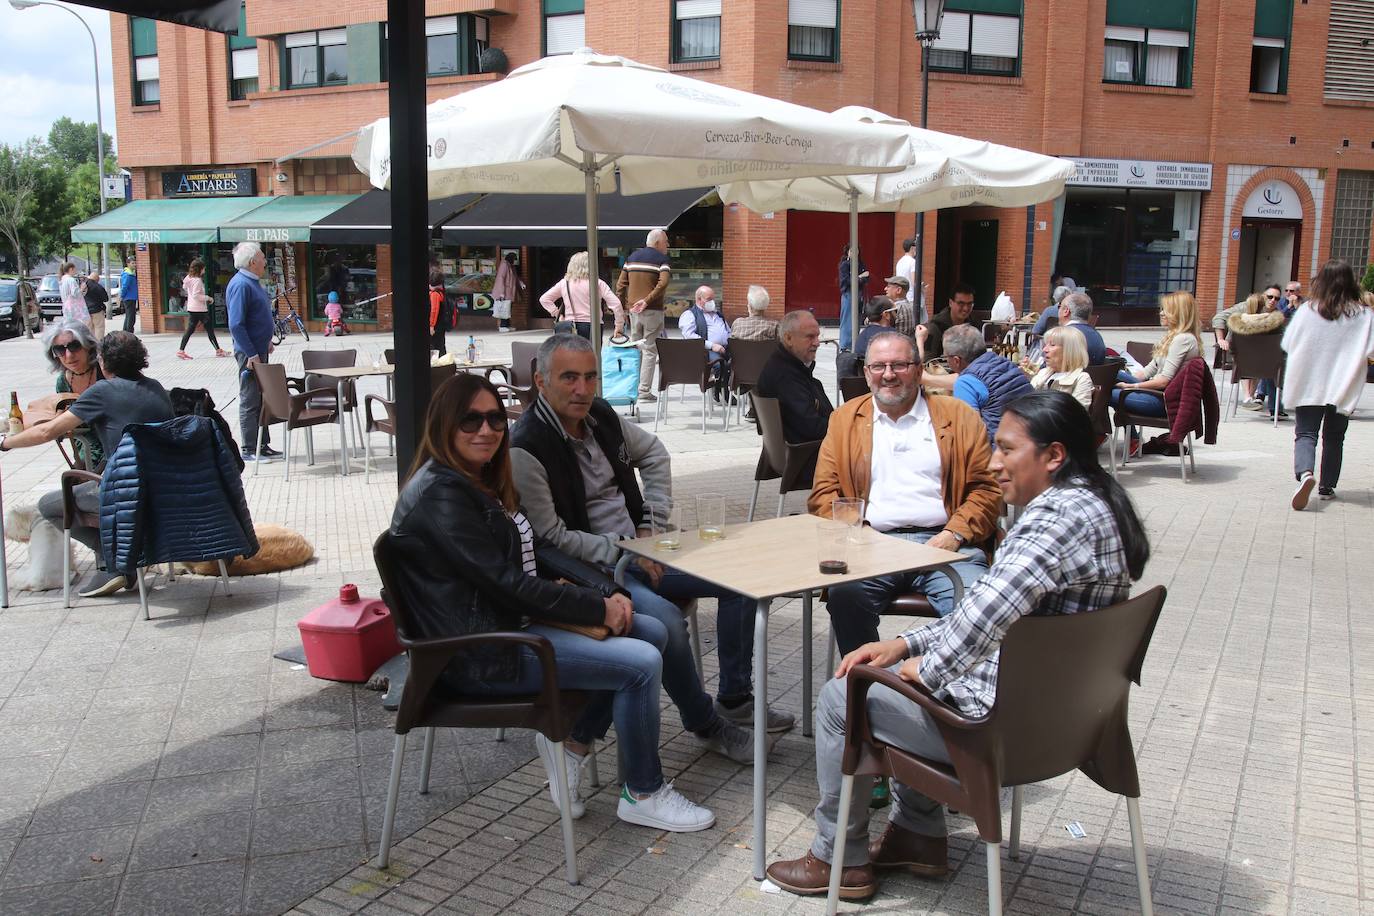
<point x="1141" y="402"/>
<point x="855" y="606"/>
<point x="1268" y="392"/>
<point x="734" y="638"/>
<point x="846" y="328"/>
<point x="627" y="668"/>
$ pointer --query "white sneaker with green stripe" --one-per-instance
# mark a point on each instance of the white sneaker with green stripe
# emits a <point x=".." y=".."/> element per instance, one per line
<point x="666" y="809"/>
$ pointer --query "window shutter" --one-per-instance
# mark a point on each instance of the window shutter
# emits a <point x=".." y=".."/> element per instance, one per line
<point x="244" y="64"/>
<point x="145" y="69"/>
<point x="334" y="37"/>
<point x="954" y="29"/>
<point x="1152" y="14"/>
<point x="1272" y="19"/>
<point x="1269" y="42"/>
<point x="1124" y="33"/>
<point x="300" y="40"/>
<point x="442" y="25"/>
<point x="1168" y="39"/>
<point x="564" y="34"/>
<point x="697" y="9"/>
<point x="144" y="36"/>
<point x="1349" y="61"/>
<point x="997" y="36"/>
<point x="821" y="14"/>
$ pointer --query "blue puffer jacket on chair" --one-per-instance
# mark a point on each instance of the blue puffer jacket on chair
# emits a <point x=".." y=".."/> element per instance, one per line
<point x="172" y="492"/>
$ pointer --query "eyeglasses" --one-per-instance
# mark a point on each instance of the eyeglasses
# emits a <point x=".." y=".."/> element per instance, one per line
<point x="898" y="367"/>
<point x="1269" y="297"/>
<point x="73" y="347"/>
<point x="472" y="422"/>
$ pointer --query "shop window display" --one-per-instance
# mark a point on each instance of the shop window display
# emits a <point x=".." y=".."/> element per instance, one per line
<point x="350" y="271"/>
<point x="469" y="274"/>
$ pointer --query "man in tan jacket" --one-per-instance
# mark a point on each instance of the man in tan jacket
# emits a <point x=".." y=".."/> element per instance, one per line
<point x="921" y="465"/>
<point x="641" y="287"/>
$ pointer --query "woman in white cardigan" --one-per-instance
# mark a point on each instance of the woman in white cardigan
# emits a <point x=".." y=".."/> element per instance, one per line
<point x="1066" y="358"/>
<point x="1329" y="342"/>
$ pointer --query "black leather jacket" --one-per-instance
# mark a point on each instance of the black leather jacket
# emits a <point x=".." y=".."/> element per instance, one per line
<point x="461" y="573"/>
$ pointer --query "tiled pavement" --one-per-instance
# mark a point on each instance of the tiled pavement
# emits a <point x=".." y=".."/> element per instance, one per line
<point x="174" y="767"/>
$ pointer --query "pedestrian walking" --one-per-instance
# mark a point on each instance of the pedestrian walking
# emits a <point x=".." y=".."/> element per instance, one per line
<point x="73" y="302"/>
<point x="251" y="326"/>
<point x="1329" y="342"/>
<point x="641" y="286"/>
<point x="569" y="300"/>
<point x="97" y="297"/>
<point x="440" y="315"/>
<point x="846" y="299"/>
<point x="504" y="290"/>
<point x="128" y="294"/>
<point x="197" y="308"/>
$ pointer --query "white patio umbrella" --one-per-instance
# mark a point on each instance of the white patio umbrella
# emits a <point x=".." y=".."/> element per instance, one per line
<point x="563" y="124"/>
<point x="946" y="171"/>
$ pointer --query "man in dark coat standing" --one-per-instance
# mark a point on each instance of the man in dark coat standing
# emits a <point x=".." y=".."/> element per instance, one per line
<point x="789" y="376"/>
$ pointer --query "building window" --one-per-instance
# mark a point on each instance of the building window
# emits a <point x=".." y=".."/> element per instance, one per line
<point x="1349" y="52"/>
<point x="143" y="40"/>
<point x="696" y="30"/>
<point x="316" y="58"/>
<point x="565" y="26"/>
<point x="453" y="44"/>
<point x="978" y="42"/>
<point x="1354" y="213"/>
<point x="1269" y="53"/>
<point x="243" y="60"/>
<point x="813" y="30"/>
<point x="1148" y="44"/>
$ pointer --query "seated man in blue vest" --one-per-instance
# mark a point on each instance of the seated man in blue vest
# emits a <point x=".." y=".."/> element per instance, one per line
<point x="575" y="462"/>
<point x="979" y="377"/>
<point x="703" y="322"/>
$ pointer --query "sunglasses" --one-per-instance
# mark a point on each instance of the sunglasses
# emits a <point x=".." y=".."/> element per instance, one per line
<point x="472" y="422"/>
<point x="1269" y="297"/>
<point x="73" y="347"/>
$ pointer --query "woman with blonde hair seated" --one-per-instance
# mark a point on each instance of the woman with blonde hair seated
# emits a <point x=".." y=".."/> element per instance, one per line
<point x="1066" y="358"/>
<point x="1143" y="392"/>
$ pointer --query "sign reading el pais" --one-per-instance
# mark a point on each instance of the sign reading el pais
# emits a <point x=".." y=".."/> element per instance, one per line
<point x="210" y="183"/>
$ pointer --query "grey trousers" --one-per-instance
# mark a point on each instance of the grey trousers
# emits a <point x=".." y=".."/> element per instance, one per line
<point x="250" y="405"/>
<point x="644" y="330"/>
<point x="895" y="720"/>
<point x="87" y="500"/>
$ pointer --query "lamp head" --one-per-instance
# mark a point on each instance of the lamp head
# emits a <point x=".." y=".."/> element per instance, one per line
<point x="927" y="13"/>
<point x="23" y="4"/>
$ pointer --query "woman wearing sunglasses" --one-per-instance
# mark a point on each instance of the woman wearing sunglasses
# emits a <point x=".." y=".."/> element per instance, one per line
<point x="469" y="565"/>
<point x="70" y="346"/>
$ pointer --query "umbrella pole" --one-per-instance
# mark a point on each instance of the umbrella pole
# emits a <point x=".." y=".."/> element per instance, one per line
<point x="853" y="266"/>
<point x="594" y="261"/>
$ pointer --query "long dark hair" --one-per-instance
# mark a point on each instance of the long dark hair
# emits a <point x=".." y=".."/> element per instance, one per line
<point x="1335" y="292"/>
<point x="1054" y="416"/>
<point x="450" y="403"/>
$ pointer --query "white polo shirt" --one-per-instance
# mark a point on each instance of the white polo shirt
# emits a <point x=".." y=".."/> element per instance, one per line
<point x="905" y="491"/>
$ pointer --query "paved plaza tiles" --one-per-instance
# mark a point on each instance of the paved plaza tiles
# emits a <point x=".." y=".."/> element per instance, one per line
<point x="175" y="767"/>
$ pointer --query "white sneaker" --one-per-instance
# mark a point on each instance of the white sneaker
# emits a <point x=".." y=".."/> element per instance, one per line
<point x="573" y="765"/>
<point x="1303" y="492"/>
<point x="666" y="809"/>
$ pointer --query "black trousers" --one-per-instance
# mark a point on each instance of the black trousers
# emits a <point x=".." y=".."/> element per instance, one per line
<point x="202" y="319"/>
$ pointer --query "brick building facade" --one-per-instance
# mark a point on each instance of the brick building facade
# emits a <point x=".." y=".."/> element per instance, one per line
<point x="1221" y="144"/>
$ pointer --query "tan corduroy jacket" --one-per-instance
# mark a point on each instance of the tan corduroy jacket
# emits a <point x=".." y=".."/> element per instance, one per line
<point x="971" y="495"/>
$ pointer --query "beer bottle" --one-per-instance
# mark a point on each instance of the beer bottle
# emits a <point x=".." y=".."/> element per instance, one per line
<point x="16" y="415"/>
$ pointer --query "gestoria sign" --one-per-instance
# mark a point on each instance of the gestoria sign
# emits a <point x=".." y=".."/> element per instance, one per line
<point x="1141" y="173"/>
<point x="1273" y="200"/>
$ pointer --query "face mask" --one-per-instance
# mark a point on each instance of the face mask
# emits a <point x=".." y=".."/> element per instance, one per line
<point x="709" y="305"/>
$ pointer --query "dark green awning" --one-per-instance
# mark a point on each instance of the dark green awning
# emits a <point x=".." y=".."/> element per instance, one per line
<point x="283" y="219"/>
<point x="162" y="222"/>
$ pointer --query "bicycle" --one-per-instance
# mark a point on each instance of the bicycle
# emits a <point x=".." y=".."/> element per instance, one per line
<point x="284" y="326"/>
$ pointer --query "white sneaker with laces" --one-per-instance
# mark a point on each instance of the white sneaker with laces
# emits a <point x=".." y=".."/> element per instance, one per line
<point x="1303" y="492"/>
<point x="666" y="809"/>
<point x="573" y="767"/>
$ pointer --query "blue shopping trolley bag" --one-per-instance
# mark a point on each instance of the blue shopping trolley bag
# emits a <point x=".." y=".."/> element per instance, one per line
<point x="620" y="372"/>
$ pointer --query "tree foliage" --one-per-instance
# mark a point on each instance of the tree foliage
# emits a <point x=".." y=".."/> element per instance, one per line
<point x="72" y="143"/>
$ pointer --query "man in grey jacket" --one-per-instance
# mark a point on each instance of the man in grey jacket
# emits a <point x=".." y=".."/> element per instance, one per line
<point x="577" y="467"/>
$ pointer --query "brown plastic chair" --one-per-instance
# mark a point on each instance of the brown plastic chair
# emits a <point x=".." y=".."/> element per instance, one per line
<point x="1140" y="351"/>
<point x="386" y="422"/>
<point x="780" y="460"/>
<point x="683" y="361"/>
<point x="853" y="386"/>
<point x="279" y="405"/>
<point x="1063" y="686"/>
<point x="332" y="359"/>
<point x="1123" y="419"/>
<point x="1256" y="356"/>
<point x="426" y="704"/>
<point x="747" y="359"/>
<point x="1104" y="381"/>
<point x="519" y="377"/>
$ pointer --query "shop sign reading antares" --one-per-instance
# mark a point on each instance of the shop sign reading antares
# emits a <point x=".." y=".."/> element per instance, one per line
<point x="210" y="183"/>
<point x="1141" y="173"/>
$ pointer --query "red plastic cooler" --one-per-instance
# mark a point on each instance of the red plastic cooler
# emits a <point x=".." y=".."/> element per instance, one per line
<point x="348" y="639"/>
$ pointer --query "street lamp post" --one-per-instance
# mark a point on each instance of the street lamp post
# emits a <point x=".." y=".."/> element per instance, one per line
<point x="99" y="122"/>
<point x="928" y="14"/>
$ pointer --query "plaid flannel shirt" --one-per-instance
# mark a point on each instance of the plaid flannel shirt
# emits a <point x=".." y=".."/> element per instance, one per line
<point x="754" y="327"/>
<point x="904" y="318"/>
<point x="1064" y="556"/>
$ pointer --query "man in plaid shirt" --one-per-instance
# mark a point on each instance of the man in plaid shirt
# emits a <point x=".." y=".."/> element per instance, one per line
<point x="754" y="326"/>
<point x="1076" y="548"/>
<point x="903" y="313"/>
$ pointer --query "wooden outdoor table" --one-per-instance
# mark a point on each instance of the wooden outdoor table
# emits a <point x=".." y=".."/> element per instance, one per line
<point x="768" y="559"/>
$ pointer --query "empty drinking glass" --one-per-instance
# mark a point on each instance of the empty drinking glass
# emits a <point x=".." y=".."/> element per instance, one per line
<point x="711" y="516"/>
<point x="665" y="519"/>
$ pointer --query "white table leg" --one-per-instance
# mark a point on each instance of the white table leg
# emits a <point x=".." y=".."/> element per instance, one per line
<point x="4" y="570"/>
<point x="806" y="664"/>
<point x="343" y="428"/>
<point x="760" y="737"/>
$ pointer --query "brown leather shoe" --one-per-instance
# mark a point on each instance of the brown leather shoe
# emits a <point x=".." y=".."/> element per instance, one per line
<point x="810" y="876"/>
<point x="925" y="856"/>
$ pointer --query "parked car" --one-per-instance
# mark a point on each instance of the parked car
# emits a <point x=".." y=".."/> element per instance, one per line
<point x="50" y="297"/>
<point x="18" y="305"/>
